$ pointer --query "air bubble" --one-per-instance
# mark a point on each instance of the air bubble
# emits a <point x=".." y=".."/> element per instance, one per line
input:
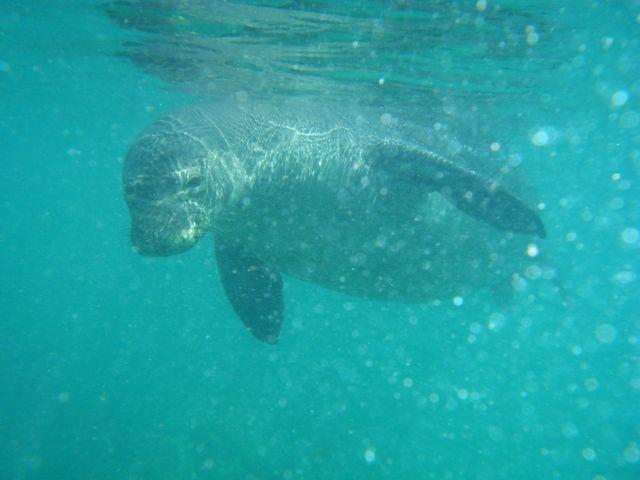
<point x="533" y="272"/>
<point x="540" y="138"/>
<point x="606" y="333"/>
<point x="631" y="454"/>
<point x="630" y="119"/>
<point x="619" y="98"/>
<point x="591" y="384"/>
<point x="370" y="455"/>
<point x="463" y="394"/>
<point x="387" y="119"/>
<point x="630" y="235"/>
<point x="531" y="35"/>
<point x="589" y="454"/>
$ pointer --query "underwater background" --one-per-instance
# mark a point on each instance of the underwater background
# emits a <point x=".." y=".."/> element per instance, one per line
<point x="116" y="366"/>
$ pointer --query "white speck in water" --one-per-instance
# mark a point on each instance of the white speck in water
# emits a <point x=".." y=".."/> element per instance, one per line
<point x="74" y="152"/>
<point x="496" y="321"/>
<point x="407" y="382"/>
<point x="606" y="333"/>
<point x="495" y="146"/>
<point x="458" y="301"/>
<point x="355" y="44"/>
<point x="518" y="283"/>
<point x="387" y="119"/>
<point x="381" y="81"/>
<point x="463" y="394"/>
<point x="348" y="307"/>
<point x="515" y="159"/>
<point x="591" y="384"/>
<point x="630" y="119"/>
<point x="616" y="203"/>
<point x="569" y="430"/>
<point x="624" y="277"/>
<point x="532" y="250"/>
<point x="481" y="5"/>
<point x="533" y="272"/>
<point x="607" y="42"/>
<point x="631" y="454"/>
<point x="370" y="455"/>
<point x="629" y="235"/>
<point x="540" y="138"/>
<point x="548" y="273"/>
<point x="619" y="98"/>
<point x="589" y="454"/>
<point x="531" y="35"/>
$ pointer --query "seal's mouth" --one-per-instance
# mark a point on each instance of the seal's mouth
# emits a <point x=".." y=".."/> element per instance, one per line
<point x="166" y="231"/>
<point x="153" y="245"/>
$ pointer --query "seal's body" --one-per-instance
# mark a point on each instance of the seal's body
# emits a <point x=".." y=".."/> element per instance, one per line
<point x="335" y="201"/>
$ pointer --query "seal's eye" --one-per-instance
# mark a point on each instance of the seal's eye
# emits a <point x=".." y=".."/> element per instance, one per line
<point x="194" y="182"/>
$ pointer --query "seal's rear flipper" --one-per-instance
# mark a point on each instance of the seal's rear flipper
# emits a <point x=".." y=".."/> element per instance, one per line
<point x="253" y="288"/>
<point x="470" y="192"/>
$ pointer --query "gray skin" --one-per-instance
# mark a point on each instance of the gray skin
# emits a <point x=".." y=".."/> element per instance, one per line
<point x="335" y="201"/>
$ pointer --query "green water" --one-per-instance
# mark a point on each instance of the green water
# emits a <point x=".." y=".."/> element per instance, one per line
<point x="115" y="366"/>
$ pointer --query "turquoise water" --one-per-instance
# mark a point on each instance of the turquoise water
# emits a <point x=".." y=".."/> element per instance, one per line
<point x="118" y="366"/>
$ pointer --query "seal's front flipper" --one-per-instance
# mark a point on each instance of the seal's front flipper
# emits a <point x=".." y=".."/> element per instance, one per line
<point x="470" y="192"/>
<point x="253" y="288"/>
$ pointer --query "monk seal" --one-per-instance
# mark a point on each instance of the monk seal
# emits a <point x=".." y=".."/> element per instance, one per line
<point x="325" y="198"/>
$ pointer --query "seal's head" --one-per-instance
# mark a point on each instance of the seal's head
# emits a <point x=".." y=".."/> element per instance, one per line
<point x="166" y="189"/>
